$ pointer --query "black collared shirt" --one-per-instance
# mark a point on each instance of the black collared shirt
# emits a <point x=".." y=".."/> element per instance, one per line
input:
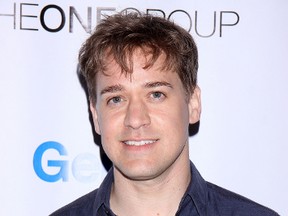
<point x="201" y="199"/>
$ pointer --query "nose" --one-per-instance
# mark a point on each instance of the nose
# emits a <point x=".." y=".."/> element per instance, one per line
<point x="137" y="115"/>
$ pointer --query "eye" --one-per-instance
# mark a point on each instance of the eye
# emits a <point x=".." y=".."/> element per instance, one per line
<point x="115" y="100"/>
<point x="157" y="95"/>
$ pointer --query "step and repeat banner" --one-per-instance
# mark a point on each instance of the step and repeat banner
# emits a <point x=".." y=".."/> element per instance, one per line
<point x="49" y="156"/>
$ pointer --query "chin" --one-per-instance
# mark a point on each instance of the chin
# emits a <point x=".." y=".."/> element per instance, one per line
<point x="138" y="172"/>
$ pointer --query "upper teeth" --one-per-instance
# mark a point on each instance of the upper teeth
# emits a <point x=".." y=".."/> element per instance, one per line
<point x="139" y="143"/>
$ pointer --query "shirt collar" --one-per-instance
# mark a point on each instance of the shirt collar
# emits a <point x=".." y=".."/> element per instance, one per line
<point x="197" y="191"/>
<point x="104" y="191"/>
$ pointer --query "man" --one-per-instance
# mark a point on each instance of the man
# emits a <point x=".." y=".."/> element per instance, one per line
<point x="141" y="73"/>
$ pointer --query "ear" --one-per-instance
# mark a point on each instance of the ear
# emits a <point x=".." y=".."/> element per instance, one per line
<point x="195" y="106"/>
<point x="95" y="117"/>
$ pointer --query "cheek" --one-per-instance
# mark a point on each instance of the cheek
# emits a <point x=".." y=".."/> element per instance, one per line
<point x="180" y="121"/>
<point x="107" y="142"/>
<point x="109" y="126"/>
<point x="174" y="121"/>
<point x="179" y="114"/>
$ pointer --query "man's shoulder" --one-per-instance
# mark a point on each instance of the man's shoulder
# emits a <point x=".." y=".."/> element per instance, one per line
<point x="229" y="203"/>
<point x="81" y="206"/>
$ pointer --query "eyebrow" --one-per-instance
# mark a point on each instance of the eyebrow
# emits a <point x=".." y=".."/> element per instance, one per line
<point x="112" y="89"/>
<point x="157" y="84"/>
<point x="118" y="88"/>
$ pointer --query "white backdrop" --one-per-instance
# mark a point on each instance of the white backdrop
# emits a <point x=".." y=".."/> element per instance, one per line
<point x="242" y="141"/>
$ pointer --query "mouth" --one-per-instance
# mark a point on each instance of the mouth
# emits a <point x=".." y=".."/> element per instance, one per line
<point x="139" y="142"/>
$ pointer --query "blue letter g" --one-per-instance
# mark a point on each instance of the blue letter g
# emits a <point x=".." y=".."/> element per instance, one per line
<point x="37" y="162"/>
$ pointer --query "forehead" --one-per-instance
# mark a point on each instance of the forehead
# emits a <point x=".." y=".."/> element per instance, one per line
<point x="139" y="73"/>
<point x="139" y="59"/>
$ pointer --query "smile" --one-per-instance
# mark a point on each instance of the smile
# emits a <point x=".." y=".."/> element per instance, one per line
<point x="139" y="143"/>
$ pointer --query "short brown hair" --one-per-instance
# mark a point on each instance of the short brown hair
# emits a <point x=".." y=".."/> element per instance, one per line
<point x="119" y="35"/>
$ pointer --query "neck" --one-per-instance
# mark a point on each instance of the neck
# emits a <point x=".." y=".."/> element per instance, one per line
<point x="159" y="196"/>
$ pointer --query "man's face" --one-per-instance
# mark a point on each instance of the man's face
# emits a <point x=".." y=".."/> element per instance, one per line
<point x="143" y="118"/>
